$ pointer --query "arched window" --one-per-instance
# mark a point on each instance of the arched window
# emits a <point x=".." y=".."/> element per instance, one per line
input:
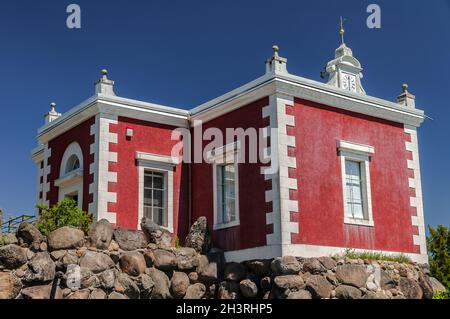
<point x="73" y="163"/>
<point x="72" y="159"/>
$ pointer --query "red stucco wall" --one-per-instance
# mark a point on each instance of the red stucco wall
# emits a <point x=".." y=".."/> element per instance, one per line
<point x="320" y="197"/>
<point x="82" y="135"/>
<point x="150" y="138"/>
<point x="252" y="207"/>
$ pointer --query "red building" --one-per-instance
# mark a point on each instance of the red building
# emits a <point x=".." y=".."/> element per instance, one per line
<point x="282" y="165"/>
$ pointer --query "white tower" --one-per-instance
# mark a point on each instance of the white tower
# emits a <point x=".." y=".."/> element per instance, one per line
<point x="345" y="70"/>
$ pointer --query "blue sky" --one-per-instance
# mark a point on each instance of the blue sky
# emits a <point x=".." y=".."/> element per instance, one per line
<point x="183" y="53"/>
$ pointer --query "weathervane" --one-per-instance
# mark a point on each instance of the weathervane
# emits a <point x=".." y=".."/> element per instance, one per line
<point x="342" y="30"/>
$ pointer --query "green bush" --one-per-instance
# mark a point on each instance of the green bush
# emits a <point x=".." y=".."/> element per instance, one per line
<point x="65" y="213"/>
<point x="439" y="251"/>
<point x="442" y="294"/>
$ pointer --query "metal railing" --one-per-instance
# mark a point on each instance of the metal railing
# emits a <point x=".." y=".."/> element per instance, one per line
<point x="10" y="226"/>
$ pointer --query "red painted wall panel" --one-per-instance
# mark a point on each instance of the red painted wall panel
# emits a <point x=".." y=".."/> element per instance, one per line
<point x="252" y="229"/>
<point x="82" y="135"/>
<point x="150" y="138"/>
<point x="321" y="215"/>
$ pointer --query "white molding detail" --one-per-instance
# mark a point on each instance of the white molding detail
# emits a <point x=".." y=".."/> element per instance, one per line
<point x="416" y="184"/>
<point x="93" y="167"/>
<point x="305" y="251"/>
<point x="73" y="149"/>
<point x="285" y="162"/>
<point x="156" y="158"/>
<point x="227" y="154"/>
<point x="360" y="153"/>
<point x="47" y="170"/>
<point x="104" y="175"/>
<point x="167" y="170"/>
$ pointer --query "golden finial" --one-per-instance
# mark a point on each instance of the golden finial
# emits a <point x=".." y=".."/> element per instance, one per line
<point x="342" y="30"/>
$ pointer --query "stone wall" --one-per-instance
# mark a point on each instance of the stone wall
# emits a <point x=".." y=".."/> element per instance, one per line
<point x="121" y="264"/>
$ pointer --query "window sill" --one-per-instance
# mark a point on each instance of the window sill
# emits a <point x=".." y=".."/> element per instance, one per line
<point x="359" y="222"/>
<point x="226" y="225"/>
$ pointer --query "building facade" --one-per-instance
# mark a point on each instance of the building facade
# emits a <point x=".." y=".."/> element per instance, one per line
<point x="336" y="168"/>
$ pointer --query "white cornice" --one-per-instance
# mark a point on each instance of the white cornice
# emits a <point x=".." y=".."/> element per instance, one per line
<point x="261" y="87"/>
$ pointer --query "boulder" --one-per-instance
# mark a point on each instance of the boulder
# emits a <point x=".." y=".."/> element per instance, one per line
<point x="100" y="235"/>
<point x="161" y="259"/>
<point x="228" y="290"/>
<point x="108" y="278"/>
<point x="97" y="294"/>
<point x="130" y="239"/>
<point x="436" y="285"/>
<point x="313" y="266"/>
<point x="259" y="267"/>
<point x="156" y="234"/>
<point x="386" y="281"/>
<point x="328" y="263"/>
<point x="10" y="285"/>
<point x="348" y="292"/>
<point x="195" y="291"/>
<point x="353" y="275"/>
<point x="179" y="284"/>
<point x="161" y="288"/>
<point x="29" y="235"/>
<point x="289" y="282"/>
<point x="375" y="295"/>
<point x="12" y="256"/>
<point x="319" y="286"/>
<point x="199" y="237"/>
<point x="266" y="283"/>
<point x="301" y="294"/>
<point x="132" y="263"/>
<point x="116" y="295"/>
<point x="58" y="254"/>
<point x="186" y="258"/>
<point x="65" y="238"/>
<point x="410" y="288"/>
<point x="425" y="284"/>
<point x="193" y="277"/>
<point x="79" y="295"/>
<point x="73" y="277"/>
<point x="145" y="285"/>
<point x="96" y="261"/>
<point x="286" y="265"/>
<point x="41" y="268"/>
<point x="125" y="285"/>
<point x="88" y="279"/>
<point x="207" y="271"/>
<point x="37" y="292"/>
<point x="248" y="288"/>
<point x="235" y="272"/>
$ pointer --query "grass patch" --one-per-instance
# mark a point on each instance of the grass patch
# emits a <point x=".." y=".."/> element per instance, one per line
<point x="370" y="255"/>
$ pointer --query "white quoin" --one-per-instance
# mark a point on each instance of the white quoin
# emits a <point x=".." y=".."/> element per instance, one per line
<point x="104" y="85"/>
<point x="52" y="115"/>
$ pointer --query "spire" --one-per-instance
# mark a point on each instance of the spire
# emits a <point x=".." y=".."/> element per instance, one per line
<point x="342" y="30"/>
<point x="344" y="71"/>
<point x="52" y="115"/>
<point x="104" y="85"/>
<point x="276" y="64"/>
<point x="405" y="98"/>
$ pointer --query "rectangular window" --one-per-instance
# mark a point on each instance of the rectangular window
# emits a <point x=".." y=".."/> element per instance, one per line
<point x="226" y="193"/>
<point x="155" y="197"/>
<point x="354" y="190"/>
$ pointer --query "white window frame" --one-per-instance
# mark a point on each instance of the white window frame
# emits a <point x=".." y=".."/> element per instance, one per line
<point x="228" y="154"/>
<point x="156" y="163"/>
<point x="70" y="183"/>
<point x="358" y="153"/>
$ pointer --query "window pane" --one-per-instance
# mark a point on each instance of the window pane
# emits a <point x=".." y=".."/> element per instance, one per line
<point x="147" y="181"/>
<point x="158" y="181"/>
<point x="158" y="198"/>
<point x="219" y="194"/>
<point x="148" y="197"/>
<point x="148" y="212"/>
